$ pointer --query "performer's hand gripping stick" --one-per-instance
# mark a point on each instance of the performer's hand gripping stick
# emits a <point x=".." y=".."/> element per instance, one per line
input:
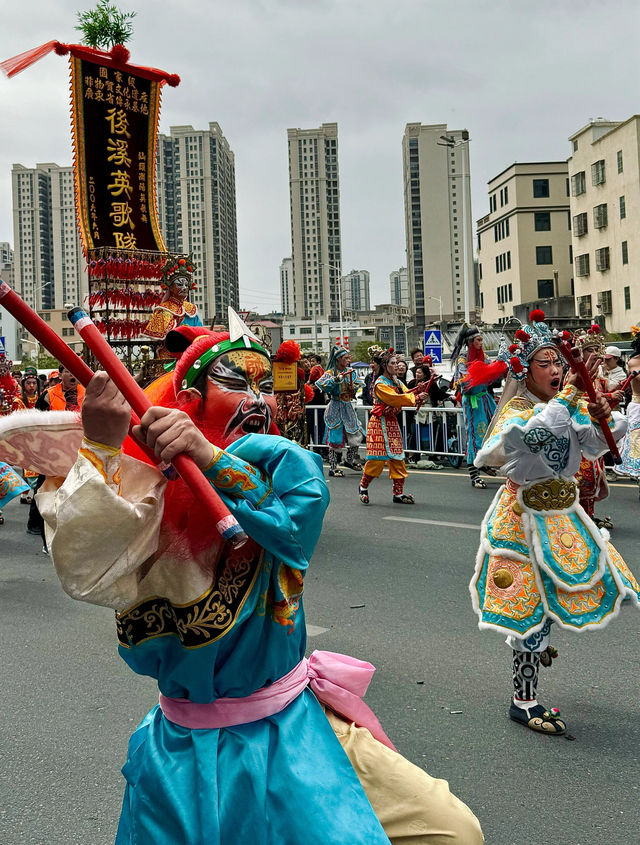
<point x="227" y="525"/>
<point x="577" y="365"/>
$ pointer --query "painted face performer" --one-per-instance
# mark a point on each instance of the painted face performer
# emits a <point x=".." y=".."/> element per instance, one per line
<point x="384" y="439"/>
<point x="478" y="405"/>
<point x="238" y="730"/>
<point x="342" y="428"/>
<point x="541" y="558"/>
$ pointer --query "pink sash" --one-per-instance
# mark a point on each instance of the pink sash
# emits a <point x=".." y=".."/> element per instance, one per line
<point x="337" y="680"/>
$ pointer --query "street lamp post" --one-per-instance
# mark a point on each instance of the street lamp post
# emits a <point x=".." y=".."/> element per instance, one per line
<point x="406" y="336"/>
<point x="450" y="141"/>
<point x="439" y="300"/>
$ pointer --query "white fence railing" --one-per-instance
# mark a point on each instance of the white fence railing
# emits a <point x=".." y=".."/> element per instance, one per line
<point x="442" y="434"/>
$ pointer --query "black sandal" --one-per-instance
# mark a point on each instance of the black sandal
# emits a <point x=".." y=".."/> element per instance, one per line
<point x="336" y="473"/>
<point x="478" y="483"/>
<point x="405" y="499"/>
<point x="364" y="496"/>
<point x="538" y="719"/>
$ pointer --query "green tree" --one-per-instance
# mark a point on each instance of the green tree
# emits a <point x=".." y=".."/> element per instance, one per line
<point x="361" y="349"/>
<point x="105" y="26"/>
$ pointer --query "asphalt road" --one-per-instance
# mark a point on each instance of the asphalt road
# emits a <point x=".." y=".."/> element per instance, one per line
<point x="387" y="590"/>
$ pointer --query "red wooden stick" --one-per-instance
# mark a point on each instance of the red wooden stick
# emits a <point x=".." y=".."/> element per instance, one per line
<point x="227" y="525"/>
<point x="577" y="365"/>
<point x="45" y="335"/>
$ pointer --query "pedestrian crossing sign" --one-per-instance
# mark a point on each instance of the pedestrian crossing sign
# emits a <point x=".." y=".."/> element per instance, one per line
<point x="433" y="344"/>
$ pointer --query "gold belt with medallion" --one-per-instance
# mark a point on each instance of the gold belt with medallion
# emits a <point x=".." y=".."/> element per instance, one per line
<point x="552" y="494"/>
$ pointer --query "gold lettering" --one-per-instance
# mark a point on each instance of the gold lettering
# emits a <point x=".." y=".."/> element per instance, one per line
<point x="121" y="184"/>
<point x="121" y="214"/>
<point x="117" y="119"/>
<point x="119" y="152"/>
<point x="124" y="240"/>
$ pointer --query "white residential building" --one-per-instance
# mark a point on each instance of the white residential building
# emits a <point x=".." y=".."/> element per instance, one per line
<point x="287" y="298"/>
<point x="315" y="220"/>
<point x="197" y="212"/>
<point x="8" y="324"/>
<point x="50" y="268"/>
<point x="399" y="287"/>
<point x="355" y="291"/>
<point x="604" y="169"/>
<point x="437" y="197"/>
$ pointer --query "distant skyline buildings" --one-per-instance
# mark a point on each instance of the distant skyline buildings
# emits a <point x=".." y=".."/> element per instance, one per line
<point x="355" y="291"/>
<point x="197" y="212"/>
<point x="287" y="297"/>
<point x="399" y="287"/>
<point x="314" y="193"/>
<point x="436" y="181"/>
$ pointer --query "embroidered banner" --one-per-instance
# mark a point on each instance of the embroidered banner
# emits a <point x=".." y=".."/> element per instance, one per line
<point x="115" y="122"/>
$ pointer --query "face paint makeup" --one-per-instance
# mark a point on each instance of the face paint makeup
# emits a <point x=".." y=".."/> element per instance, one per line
<point x="240" y="394"/>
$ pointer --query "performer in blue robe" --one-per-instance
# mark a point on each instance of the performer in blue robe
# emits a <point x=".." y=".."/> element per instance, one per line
<point x="342" y="427"/>
<point x="478" y="406"/>
<point x="250" y="744"/>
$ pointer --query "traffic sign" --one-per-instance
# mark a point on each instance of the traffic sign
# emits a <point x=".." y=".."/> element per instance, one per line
<point x="433" y="344"/>
<point x="2" y="345"/>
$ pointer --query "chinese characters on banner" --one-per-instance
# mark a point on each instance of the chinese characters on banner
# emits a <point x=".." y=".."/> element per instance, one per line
<point x="115" y="120"/>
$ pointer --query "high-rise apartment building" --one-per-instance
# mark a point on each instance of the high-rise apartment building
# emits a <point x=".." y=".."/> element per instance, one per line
<point x="287" y="299"/>
<point x="197" y="212"/>
<point x="315" y="220"/>
<point x="437" y="201"/>
<point x="524" y="242"/>
<point x="604" y="169"/>
<point x="8" y="325"/>
<point x="355" y="291"/>
<point x="49" y="265"/>
<point x="399" y="287"/>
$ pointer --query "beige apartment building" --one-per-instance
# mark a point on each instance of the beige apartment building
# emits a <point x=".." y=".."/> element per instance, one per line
<point x="438" y="222"/>
<point x="524" y="242"/>
<point x="604" y="168"/>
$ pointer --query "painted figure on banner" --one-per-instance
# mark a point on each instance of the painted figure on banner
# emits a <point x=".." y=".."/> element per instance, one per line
<point x="174" y="309"/>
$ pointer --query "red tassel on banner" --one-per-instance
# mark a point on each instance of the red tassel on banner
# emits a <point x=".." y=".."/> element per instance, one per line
<point x="12" y="66"/>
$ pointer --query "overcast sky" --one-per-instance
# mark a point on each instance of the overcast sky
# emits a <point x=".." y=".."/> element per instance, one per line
<point x="521" y="76"/>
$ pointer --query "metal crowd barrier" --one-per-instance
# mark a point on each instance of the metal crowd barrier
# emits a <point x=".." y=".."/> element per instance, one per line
<point x="418" y="439"/>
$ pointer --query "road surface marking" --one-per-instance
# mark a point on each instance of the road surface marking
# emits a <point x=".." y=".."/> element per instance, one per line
<point x="433" y="522"/>
<point x="315" y="630"/>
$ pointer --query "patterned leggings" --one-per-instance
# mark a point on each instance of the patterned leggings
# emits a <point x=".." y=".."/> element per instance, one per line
<point x="526" y="666"/>
<point x="352" y="456"/>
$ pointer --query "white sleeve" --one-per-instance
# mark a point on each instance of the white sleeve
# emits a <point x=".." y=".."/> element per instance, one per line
<point x="102" y="524"/>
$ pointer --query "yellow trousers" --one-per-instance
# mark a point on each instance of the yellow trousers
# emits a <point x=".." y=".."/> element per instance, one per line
<point x="397" y="469"/>
<point x="413" y="807"/>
